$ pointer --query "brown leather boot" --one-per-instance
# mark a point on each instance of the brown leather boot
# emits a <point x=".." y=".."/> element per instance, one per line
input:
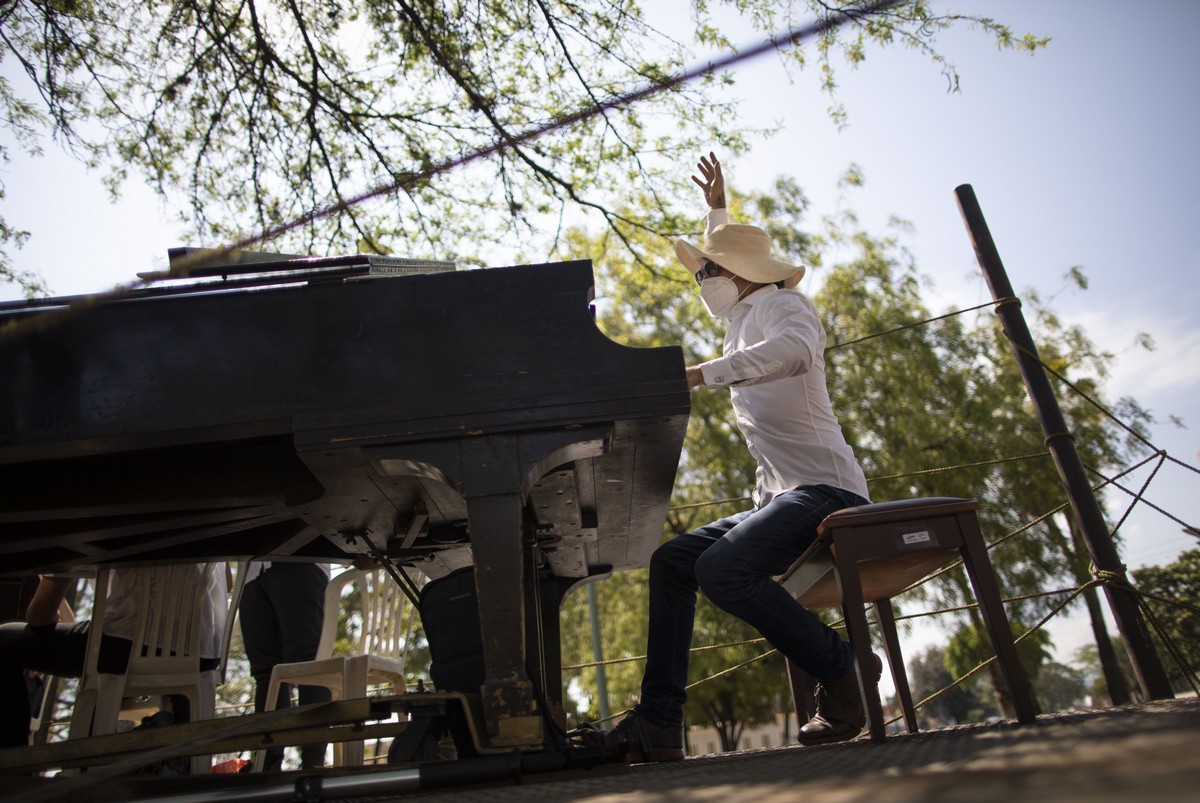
<point x="840" y="715"/>
<point x="643" y="740"/>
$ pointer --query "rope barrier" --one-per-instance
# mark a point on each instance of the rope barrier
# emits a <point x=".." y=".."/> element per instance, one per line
<point x="733" y="668"/>
<point x="1137" y="497"/>
<point x="836" y="624"/>
<point x="881" y="478"/>
<point x="1100" y="577"/>
<point x="1018" y="531"/>
<point x="1179" y="462"/>
<point x="1140" y="499"/>
<point x="1083" y="394"/>
<point x="944" y="469"/>
<point x="1119" y="580"/>
<point x="692" y="505"/>
<point x="907" y="326"/>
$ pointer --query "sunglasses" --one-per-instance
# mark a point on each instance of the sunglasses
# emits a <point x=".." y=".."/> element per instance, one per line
<point x="708" y="270"/>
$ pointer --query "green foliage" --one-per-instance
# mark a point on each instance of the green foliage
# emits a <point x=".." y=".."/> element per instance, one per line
<point x="236" y="694"/>
<point x="928" y="675"/>
<point x="22" y="120"/>
<point x="261" y="112"/>
<point x="1088" y="658"/>
<point x="749" y="694"/>
<point x="622" y="602"/>
<point x="1060" y="687"/>
<point x="914" y="25"/>
<point x="970" y="646"/>
<point x="1176" y="605"/>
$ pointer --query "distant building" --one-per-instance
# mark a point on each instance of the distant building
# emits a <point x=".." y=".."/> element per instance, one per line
<point x="706" y="742"/>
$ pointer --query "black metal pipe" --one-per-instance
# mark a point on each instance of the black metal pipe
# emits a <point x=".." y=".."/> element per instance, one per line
<point x="1096" y="535"/>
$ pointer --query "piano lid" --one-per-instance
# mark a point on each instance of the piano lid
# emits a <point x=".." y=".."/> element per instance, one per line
<point x="273" y="421"/>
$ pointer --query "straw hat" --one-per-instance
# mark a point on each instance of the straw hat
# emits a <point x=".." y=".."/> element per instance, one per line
<point x="742" y="250"/>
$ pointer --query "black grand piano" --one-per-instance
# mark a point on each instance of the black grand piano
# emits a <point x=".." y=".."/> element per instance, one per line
<point x="315" y="410"/>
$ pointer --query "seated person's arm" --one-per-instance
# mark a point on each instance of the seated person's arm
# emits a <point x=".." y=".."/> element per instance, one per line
<point x="43" y="608"/>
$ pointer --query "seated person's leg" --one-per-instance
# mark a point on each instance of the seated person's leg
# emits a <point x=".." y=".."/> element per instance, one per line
<point x="298" y="594"/>
<point x="53" y="649"/>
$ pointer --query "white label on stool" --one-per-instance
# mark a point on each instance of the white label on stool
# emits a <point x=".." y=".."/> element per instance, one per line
<point x="917" y="538"/>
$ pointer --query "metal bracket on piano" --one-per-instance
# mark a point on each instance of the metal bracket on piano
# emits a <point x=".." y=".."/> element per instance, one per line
<point x="416" y="526"/>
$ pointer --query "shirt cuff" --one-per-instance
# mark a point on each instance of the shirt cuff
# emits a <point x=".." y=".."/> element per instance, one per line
<point x="716" y="373"/>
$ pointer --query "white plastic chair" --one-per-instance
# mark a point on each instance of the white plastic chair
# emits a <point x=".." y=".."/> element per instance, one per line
<point x="378" y="651"/>
<point x="165" y="659"/>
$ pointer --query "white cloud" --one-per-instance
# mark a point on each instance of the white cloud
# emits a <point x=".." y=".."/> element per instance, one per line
<point x="1171" y="370"/>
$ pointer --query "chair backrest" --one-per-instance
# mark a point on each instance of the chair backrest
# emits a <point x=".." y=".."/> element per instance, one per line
<point x="166" y="613"/>
<point x="169" y="621"/>
<point x="168" y="625"/>
<point x="235" y="599"/>
<point x="383" y="632"/>
<point x="333" y="607"/>
<point x="381" y="602"/>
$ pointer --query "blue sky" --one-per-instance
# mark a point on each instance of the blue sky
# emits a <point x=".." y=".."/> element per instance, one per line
<point x="1084" y="154"/>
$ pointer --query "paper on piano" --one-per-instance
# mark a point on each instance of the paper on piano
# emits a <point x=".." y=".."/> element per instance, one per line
<point x="404" y="266"/>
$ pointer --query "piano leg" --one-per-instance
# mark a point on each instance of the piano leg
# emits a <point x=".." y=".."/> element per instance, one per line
<point x="544" y="642"/>
<point x="490" y="472"/>
<point x="496" y="524"/>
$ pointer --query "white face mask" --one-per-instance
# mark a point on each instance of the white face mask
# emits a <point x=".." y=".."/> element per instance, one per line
<point x="719" y="294"/>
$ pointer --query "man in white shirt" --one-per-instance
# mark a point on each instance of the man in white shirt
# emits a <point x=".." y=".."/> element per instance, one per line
<point x="43" y="644"/>
<point x="773" y="363"/>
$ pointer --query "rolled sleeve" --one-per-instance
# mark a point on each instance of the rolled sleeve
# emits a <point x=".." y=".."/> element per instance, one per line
<point x="714" y="218"/>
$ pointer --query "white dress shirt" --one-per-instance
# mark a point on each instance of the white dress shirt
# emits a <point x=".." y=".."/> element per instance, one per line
<point x="773" y="362"/>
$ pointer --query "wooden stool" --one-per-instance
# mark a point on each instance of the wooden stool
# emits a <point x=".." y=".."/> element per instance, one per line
<point x="873" y="552"/>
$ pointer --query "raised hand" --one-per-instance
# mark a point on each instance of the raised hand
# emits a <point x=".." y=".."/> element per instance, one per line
<point x="713" y="183"/>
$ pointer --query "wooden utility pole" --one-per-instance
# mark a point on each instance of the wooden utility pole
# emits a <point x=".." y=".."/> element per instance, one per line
<point x="1060" y="443"/>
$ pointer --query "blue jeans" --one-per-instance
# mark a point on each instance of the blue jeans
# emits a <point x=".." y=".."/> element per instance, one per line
<point x="733" y="561"/>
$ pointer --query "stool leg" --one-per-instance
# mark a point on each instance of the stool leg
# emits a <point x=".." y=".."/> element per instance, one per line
<point x="983" y="580"/>
<point x="850" y="590"/>
<point x="891" y="644"/>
